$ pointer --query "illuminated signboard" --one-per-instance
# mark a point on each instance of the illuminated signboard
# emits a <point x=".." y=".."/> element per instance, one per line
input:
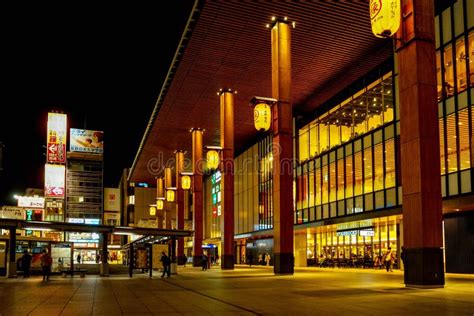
<point x="56" y="138"/>
<point x="88" y="221"/>
<point x="84" y="237"/>
<point x="83" y="140"/>
<point x="364" y="232"/>
<point x="31" y="201"/>
<point x="54" y="182"/>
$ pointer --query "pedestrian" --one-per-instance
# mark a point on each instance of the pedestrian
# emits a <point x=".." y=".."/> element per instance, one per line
<point x="165" y="260"/>
<point x="388" y="258"/>
<point x="25" y="264"/>
<point x="267" y="259"/>
<point x="250" y="259"/>
<point x="204" y="262"/>
<point x="46" y="262"/>
<point x="78" y="258"/>
<point x="403" y="256"/>
<point x="185" y="260"/>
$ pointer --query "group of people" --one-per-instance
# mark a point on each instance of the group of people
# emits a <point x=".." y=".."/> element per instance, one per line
<point x="263" y="259"/>
<point x="46" y="263"/>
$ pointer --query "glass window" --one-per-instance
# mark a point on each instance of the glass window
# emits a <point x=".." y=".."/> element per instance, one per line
<point x="451" y="143"/>
<point x="390" y="163"/>
<point x="463" y="125"/>
<point x="332" y="182"/>
<point x="368" y="172"/>
<point x="358" y="173"/>
<point x="318" y="186"/>
<point x="461" y="68"/>
<point x="471" y="57"/>
<point x="334" y="133"/>
<point x="438" y="76"/>
<point x="304" y="143"/>
<point x="448" y="71"/>
<point x="472" y="138"/>
<point x="340" y="179"/>
<point x="441" y="146"/>
<point x="378" y="167"/>
<point x="311" y="188"/>
<point x="446" y="25"/>
<point x="323" y="137"/>
<point x="314" y="139"/>
<point x="325" y="186"/>
<point x="349" y="177"/>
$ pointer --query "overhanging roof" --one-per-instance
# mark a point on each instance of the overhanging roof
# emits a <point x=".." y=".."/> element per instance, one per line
<point x="226" y="44"/>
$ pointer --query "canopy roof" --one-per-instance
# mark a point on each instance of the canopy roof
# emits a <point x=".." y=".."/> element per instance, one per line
<point x="226" y="44"/>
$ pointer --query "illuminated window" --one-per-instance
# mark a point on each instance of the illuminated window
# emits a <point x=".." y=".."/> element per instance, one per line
<point x="438" y="76"/>
<point x="471" y="57"/>
<point x="334" y="135"/>
<point x="311" y="188"/>
<point x="332" y="182"/>
<point x="304" y="144"/>
<point x="461" y="59"/>
<point x="368" y="173"/>
<point x="318" y="186"/>
<point x="463" y="125"/>
<point x="325" y="186"/>
<point x="378" y="167"/>
<point x="358" y="173"/>
<point x="340" y="179"/>
<point x="349" y="177"/>
<point x="390" y="163"/>
<point x="323" y="137"/>
<point x="448" y="71"/>
<point x="314" y="139"/>
<point x="441" y="147"/>
<point x="451" y="143"/>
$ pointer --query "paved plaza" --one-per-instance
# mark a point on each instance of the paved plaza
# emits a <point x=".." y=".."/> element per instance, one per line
<point x="244" y="291"/>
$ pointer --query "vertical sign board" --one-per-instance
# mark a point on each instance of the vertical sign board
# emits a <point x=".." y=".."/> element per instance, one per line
<point x="56" y="138"/>
<point x="54" y="180"/>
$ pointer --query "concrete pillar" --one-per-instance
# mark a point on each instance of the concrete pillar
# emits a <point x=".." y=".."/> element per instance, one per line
<point x="104" y="267"/>
<point x="300" y="250"/>
<point x="282" y="126"/>
<point x="419" y="142"/>
<point x="174" y="265"/>
<point x="180" y="204"/>
<point x="227" y="183"/>
<point x="12" y="254"/>
<point x="197" y="195"/>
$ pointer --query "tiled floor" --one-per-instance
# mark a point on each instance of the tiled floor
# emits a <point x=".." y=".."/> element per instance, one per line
<point x="240" y="292"/>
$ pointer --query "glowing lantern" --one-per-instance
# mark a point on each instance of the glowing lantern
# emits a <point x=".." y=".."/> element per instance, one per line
<point x="186" y="182"/>
<point x="152" y="211"/>
<point x="262" y="115"/>
<point x="212" y="159"/>
<point x="170" y="195"/>
<point x="385" y="17"/>
<point x="159" y="205"/>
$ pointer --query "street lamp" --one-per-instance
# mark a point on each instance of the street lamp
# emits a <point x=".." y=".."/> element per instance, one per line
<point x="212" y="157"/>
<point x="262" y="112"/>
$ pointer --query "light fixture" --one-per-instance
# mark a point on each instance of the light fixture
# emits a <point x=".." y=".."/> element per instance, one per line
<point x="152" y="210"/>
<point x="170" y="195"/>
<point x="160" y="204"/>
<point x="185" y="182"/>
<point x="262" y="112"/>
<point x="385" y="17"/>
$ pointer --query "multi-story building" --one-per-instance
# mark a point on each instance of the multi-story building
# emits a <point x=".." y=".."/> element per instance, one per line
<point x="348" y="190"/>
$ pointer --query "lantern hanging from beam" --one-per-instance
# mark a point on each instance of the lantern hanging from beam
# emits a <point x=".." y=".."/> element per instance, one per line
<point x="186" y="182"/>
<point x="152" y="211"/>
<point x="212" y="157"/>
<point x="262" y="115"/>
<point x="170" y="195"/>
<point x="385" y="17"/>
<point x="159" y="205"/>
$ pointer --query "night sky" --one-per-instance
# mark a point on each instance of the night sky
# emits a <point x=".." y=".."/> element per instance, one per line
<point x="103" y="66"/>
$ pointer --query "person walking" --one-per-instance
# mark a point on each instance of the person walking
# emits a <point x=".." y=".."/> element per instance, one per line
<point x="78" y="258"/>
<point x="403" y="256"/>
<point x="204" y="261"/>
<point x="388" y="259"/>
<point x="165" y="260"/>
<point x="267" y="259"/>
<point x="185" y="260"/>
<point x="250" y="259"/>
<point x="25" y="264"/>
<point x="46" y="262"/>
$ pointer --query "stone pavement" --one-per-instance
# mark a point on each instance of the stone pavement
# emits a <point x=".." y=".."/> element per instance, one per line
<point x="244" y="291"/>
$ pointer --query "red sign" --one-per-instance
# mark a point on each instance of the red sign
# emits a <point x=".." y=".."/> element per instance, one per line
<point x="54" y="182"/>
<point x="56" y="138"/>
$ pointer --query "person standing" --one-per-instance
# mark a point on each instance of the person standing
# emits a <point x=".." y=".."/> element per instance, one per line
<point x="204" y="261"/>
<point x="267" y="259"/>
<point x="78" y="258"/>
<point x="25" y="264"/>
<point x="403" y="256"/>
<point x="46" y="262"/>
<point x="250" y="259"/>
<point x="388" y="258"/>
<point x="185" y="260"/>
<point x="165" y="260"/>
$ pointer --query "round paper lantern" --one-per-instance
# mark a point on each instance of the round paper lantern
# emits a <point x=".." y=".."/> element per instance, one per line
<point x="212" y="159"/>
<point x="186" y="182"/>
<point x="385" y="17"/>
<point x="262" y="115"/>
<point x="170" y="195"/>
<point x="152" y="211"/>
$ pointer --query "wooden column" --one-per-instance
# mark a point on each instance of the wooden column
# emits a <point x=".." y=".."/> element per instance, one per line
<point x="227" y="183"/>
<point x="282" y="148"/>
<point x="419" y="141"/>
<point x="168" y="182"/>
<point x="197" y="195"/>
<point x="180" y="204"/>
